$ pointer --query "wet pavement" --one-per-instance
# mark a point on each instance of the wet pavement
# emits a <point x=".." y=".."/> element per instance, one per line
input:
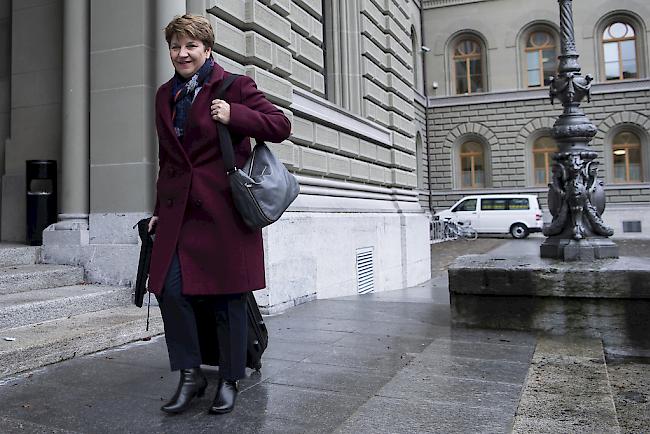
<point x="381" y="363"/>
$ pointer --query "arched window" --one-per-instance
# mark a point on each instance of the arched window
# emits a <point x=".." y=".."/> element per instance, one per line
<point x="415" y="48"/>
<point x="543" y="149"/>
<point x="541" y="58"/>
<point x="626" y="158"/>
<point x="619" y="51"/>
<point x="419" y="166"/>
<point x="468" y="66"/>
<point x="472" y="165"/>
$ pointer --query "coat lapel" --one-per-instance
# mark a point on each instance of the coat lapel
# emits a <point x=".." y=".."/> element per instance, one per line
<point x="166" y="115"/>
<point x="202" y="104"/>
<point x="203" y="99"/>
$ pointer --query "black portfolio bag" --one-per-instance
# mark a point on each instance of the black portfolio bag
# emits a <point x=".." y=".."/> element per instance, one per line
<point x="256" y="342"/>
<point x="143" y="262"/>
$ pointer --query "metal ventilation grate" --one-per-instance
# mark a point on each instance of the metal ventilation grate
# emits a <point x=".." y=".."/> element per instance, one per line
<point x="365" y="270"/>
<point x="632" y="226"/>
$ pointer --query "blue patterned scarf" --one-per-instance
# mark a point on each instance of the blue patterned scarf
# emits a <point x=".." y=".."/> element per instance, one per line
<point x="184" y="91"/>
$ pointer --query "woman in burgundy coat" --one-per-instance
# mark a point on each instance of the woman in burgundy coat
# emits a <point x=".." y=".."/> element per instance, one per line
<point x="202" y="247"/>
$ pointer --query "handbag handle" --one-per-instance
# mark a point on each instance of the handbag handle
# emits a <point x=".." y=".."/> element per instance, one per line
<point x="225" y="141"/>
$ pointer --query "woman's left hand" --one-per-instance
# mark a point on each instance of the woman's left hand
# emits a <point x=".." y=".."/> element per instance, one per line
<point x="220" y="111"/>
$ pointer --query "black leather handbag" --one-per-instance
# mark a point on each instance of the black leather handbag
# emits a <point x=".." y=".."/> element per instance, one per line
<point x="263" y="189"/>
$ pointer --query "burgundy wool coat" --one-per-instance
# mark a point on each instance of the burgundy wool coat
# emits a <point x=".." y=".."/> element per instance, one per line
<point x="218" y="253"/>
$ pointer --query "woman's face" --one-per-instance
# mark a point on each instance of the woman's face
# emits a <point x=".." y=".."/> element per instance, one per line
<point x="187" y="54"/>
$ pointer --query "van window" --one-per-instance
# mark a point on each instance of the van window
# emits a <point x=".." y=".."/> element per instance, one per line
<point x="518" y="204"/>
<point x="466" y="205"/>
<point x="504" y="204"/>
<point x="494" y="204"/>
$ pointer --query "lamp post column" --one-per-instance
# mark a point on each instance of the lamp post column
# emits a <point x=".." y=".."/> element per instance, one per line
<point x="576" y="197"/>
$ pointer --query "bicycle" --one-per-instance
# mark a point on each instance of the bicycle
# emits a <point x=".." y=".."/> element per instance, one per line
<point x="455" y="230"/>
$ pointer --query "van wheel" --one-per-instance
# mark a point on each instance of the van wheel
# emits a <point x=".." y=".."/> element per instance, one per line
<point x="519" y="231"/>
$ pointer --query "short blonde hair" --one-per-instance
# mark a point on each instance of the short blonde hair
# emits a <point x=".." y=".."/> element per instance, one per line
<point x="193" y="26"/>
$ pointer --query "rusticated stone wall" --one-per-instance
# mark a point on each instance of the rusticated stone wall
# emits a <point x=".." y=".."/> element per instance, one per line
<point x="280" y="44"/>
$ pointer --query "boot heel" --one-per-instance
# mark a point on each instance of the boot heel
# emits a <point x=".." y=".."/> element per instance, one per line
<point x="192" y="383"/>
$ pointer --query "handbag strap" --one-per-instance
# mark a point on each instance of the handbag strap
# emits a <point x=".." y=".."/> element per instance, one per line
<point x="225" y="140"/>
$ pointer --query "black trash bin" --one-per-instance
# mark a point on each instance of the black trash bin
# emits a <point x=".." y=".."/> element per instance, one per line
<point x="41" y="198"/>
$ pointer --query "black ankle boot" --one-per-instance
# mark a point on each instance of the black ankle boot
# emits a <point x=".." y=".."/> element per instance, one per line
<point x="191" y="384"/>
<point x="224" y="400"/>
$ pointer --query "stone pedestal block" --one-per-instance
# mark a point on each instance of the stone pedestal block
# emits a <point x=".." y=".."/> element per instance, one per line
<point x="54" y="237"/>
<point x="622" y="278"/>
<point x="583" y="250"/>
<point x="605" y="298"/>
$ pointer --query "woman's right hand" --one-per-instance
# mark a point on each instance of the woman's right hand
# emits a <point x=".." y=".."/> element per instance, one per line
<point x="152" y="223"/>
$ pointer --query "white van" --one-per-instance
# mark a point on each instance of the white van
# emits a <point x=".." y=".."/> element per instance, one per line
<point x="516" y="214"/>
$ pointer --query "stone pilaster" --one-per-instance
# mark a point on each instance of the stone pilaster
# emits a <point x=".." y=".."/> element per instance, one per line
<point x="72" y="227"/>
<point x="165" y="11"/>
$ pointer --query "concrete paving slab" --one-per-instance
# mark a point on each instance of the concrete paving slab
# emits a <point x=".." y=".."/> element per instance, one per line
<point x="83" y="410"/>
<point x="77" y="374"/>
<point x="384" y="362"/>
<point x="17" y="426"/>
<point x="377" y="343"/>
<point x="472" y="368"/>
<point x="630" y="382"/>
<point x="366" y="310"/>
<point x="413" y="382"/>
<point x="567" y="383"/>
<point x="292" y="351"/>
<point x="412" y="329"/>
<point x="324" y="337"/>
<point x="540" y="425"/>
<point x="481" y="350"/>
<point x="320" y="411"/>
<point x="151" y="353"/>
<point x="382" y="415"/>
<point x="350" y="381"/>
<point x="509" y="337"/>
<point x="432" y="291"/>
<point x="236" y="423"/>
<point x="302" y="323"/>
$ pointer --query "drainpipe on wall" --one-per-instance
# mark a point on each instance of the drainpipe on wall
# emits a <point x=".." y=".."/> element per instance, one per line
<point x="426" y="116"/>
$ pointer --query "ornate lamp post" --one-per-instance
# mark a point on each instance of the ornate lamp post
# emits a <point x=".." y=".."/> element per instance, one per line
<point x="576" y="197"/>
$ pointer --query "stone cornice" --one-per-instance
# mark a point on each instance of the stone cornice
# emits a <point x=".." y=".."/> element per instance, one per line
<point x="528" y="190"/>
<point x="526" y="94"/>
<point x="433" y="4"/>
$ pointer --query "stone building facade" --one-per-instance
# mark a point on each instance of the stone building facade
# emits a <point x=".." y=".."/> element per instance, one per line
<point x="493" y="135"/>
<point x="79" y="89"/>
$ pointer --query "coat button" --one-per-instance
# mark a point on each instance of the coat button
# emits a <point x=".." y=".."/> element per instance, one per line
<point x="170" y="202"/>
<point x="198" y="203"/>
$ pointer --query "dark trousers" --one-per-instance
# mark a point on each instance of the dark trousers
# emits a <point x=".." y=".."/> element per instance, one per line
<point x="182" y="334"/>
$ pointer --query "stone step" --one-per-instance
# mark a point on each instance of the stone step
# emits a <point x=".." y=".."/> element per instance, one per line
<point x="30" y="307"/>
<point x="11" y="254"/>
<point x="36" y="345"/>
<point x="567" y="389"/>
<point x="22" y="278"/>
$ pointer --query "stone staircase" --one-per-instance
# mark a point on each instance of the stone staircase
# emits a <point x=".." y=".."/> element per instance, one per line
<point x="48" y="314"/>
<point x="573" y="387"/>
